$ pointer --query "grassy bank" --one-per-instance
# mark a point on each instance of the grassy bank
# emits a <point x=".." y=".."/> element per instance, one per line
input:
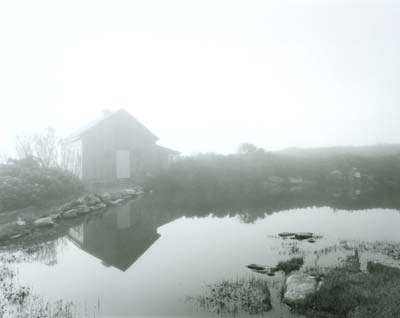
<point x="26" y="183"/>
<point x="259" y="180"/>
<point x="347" y="292"/>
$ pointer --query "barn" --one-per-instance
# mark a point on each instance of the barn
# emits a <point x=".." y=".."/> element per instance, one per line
<point x="114" y="147"/>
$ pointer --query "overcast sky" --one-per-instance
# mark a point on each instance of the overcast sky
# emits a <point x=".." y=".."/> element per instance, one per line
<point x="205" y="75"/>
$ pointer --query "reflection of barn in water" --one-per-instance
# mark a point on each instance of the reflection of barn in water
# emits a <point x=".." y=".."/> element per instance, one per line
<point x="120" y="237"/>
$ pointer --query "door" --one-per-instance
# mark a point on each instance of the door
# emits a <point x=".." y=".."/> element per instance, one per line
<point x="123" y="163"/>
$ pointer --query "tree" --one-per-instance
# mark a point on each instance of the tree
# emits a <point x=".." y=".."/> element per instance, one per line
<point x="247" y="148"/>
<point x="43" y="146"/>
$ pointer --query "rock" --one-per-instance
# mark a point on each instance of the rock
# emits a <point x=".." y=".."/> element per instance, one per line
<point x="20" y="222"/>
<point x="116" y="202"/>
<point x="82" y="209"/>
<point x="311" y="240"/>
<point x="297" y="287"/>
<point x="130" y="191"/>
<point x="70" y="205"/>
<point x="73" y="213"/>
<point x="303" y="235"/>
<point x="55" y="215"/>
<point x="98" y="206"/>
<point x="256" y="267"/>
<point x="105" y="196"/>
<point x="297" y="235"/>
<point x="81" y="200"/>
<point x="261" y="269"/>
<point x="92" y="199"/>
<point x="46" y="221"/>
<point x="287" y="234"/>
<point x="18" y="235"/>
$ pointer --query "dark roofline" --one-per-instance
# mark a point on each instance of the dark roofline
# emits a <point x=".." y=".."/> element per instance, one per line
<point x="78" y="134"/>
<point x="168" y="150"/>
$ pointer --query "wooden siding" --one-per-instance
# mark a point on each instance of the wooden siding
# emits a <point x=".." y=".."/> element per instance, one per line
<point x="102" y="142"/>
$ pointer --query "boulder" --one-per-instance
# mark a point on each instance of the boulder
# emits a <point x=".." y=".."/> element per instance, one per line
<point x="303" y="235"/>
<point x="82" y="209"/>
<point x="81" y="200"/>
<point x="55" y="215"/>
<point x="42" y="222"/>
<point x="73" y="213"/>
<point x="92" y="199"/>
<point x="70" y="205"/>
<point x="287" y="234"/>
<point x="256" y="267"/>
<point x="20" y="222"/>
<point x="98" y="206"/>
<point x="116" y="202"/>
<point x="18" y="235"/>
<point x="130" y="192"/>
<point x="105" y="196"/>
<point x="298" y="286"/>
<point x="261" y="269"/>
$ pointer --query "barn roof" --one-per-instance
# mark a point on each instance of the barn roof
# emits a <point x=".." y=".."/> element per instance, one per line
<point x="167" y="151"/>
<point x="83" y="130"/>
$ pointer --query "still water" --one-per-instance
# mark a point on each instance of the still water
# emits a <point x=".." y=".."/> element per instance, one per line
<point x="141" y="262"/>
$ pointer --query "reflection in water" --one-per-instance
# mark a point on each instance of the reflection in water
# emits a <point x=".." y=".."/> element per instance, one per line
<point x="153" y="258"/>
<point x="121" y="237"/>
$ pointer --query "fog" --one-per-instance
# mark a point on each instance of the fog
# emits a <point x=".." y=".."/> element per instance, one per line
<point x="204" y="76"/>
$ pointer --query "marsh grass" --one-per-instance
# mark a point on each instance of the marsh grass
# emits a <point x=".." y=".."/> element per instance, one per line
<point x="290" y="265"/>
<point x="347" y="292"/>
<point x="18" y="301"/>
<point x="250" y="296"/>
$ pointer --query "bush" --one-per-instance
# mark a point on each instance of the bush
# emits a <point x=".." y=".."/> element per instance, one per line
<point x="25" y="182"/>
<point x="250" y="296"/>
<point x="348" y="293"/>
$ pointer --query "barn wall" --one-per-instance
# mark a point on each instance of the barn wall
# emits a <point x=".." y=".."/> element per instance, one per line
<point x="101" y="143"/>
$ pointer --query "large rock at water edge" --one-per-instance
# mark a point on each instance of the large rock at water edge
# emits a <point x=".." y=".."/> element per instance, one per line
<point x="47" y="221"/>
<point x="82" y="209"/>
<point x="303" y="235"/>
<point x="116" y="202"/>
<point x="73" y="213"/>
<point x="98" y="206"/>
<point x="297" y="287"/>
<point x="105" y="196"/>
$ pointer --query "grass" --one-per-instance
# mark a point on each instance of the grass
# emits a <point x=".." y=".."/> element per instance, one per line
<point x="290" y="265"/>
<point x="18" y="301"/>
<point x="347" y="292"/>
<point x="250" y="296"/>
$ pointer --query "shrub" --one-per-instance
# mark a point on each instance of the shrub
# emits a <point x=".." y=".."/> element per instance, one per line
<point x="351" y="294"/>
<point x="250" y="296"/>
<point x="25" y="182"/>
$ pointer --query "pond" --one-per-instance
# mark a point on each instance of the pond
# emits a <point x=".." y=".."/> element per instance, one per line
<point x="135" y="261"/>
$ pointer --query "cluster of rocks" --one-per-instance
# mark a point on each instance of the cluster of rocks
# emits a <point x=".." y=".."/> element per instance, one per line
<point x="73" y="209"/>
<point x="86" y="204"/>
<point x="298" y="285"/>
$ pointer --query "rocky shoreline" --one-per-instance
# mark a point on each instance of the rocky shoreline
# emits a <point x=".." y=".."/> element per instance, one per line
<point x="74" y="209"/>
